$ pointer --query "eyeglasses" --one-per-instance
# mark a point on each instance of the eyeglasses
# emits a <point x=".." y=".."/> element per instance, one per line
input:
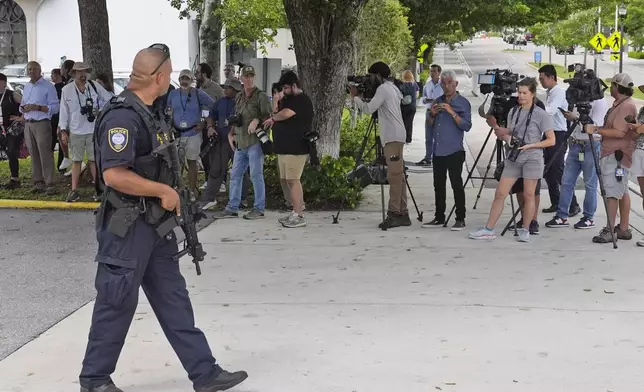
<point x="166" y="54"/>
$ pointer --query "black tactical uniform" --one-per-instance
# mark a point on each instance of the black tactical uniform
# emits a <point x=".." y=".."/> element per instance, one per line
<point x="131" y="254"/>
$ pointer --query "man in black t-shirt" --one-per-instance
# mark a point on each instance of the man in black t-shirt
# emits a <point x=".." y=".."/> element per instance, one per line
<point x="290" y="124"/>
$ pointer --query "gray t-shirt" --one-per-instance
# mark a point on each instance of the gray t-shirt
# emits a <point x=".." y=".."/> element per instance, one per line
<point x="540" y="122"/>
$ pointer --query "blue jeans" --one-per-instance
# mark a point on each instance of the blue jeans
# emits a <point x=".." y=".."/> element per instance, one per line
<point x="571" y="172"/>
<point x="429" y="138"/>
<point x="253" y="157"/>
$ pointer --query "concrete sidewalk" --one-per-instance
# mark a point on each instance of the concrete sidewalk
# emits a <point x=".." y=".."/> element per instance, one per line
<point x="348" y="308"/>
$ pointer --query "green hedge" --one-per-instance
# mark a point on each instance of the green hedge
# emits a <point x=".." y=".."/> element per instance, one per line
<point x="326" y="186"/>
<point x="636" y="55"/>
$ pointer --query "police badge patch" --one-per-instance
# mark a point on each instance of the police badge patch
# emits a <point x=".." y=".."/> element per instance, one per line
<point x="117" y="138"/>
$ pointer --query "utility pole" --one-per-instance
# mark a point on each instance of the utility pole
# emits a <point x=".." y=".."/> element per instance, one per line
<point x="622" y="17"/>
<point x="616" y="67"/>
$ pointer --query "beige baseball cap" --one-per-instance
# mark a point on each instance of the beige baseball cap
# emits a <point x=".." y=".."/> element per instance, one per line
<point x="623" y="79"/>
<point x="186" y="73"/>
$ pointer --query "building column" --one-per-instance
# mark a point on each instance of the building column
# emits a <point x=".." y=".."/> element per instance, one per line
<point x="30" y="9"/>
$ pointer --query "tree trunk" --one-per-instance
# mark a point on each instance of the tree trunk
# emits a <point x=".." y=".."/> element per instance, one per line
<point x="95" y="36"/>
<point x="324" y="39"/>
<point x="210" y="38"/>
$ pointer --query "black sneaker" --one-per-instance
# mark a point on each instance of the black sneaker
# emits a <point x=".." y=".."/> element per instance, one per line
<point x="557" y="222"/>
<point x="434" y="223"/>
<point x="389" y="223"/>
<point x="404" y="219"/>
<point x="574" y="212"/>
<point x="12" y="184"/>
<point x="102" y="388"/>
<point x="519" y="225"/>
<point x="584" y="223"/>
<point x="224" y="381"/>
<point x="549" y="210"/>
<point x="458" y="225"/>
<point x="424" y="162"/>
<point x="534" y="227"/>
<point x="72" y="197"/>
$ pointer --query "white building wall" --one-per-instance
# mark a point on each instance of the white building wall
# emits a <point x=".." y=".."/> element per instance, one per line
<point x="280" y="50"/>
<point x="134" y="24"/>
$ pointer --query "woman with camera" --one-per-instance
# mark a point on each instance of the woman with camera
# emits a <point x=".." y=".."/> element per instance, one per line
<point x="527" y="124"/>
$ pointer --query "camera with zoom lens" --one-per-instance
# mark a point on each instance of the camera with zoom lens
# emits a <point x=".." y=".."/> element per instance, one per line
<point x="366" y="85"/>
<point x="500" y="82"/>
<point x="88" y="110"/>
<point x="514" y="152"/>
<point x="234" y="121"/>
<point x="585" y="86"/>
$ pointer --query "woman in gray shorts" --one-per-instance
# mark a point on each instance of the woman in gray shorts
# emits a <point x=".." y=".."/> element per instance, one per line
<point x="527" y="123"/>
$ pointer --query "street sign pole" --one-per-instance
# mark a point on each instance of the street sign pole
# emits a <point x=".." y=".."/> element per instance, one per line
<point x="621" y="50"/>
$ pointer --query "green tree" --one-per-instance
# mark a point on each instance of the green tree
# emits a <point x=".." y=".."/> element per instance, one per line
<point x="245" y="22"/>
<point x="634" y="23"/>
<point x="383" y="35"/>
<point x="324" y="35"/>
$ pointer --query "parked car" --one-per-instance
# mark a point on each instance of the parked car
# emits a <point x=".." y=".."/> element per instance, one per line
<point x="529" y="37"/>
<point x="15" y="70"/>
<point x="567" y="50"/>
<point x="520" y="40"/>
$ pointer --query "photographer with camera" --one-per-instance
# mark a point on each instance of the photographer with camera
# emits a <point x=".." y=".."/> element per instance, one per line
<point x="508" y="103"/>
<point x="616" y="156"/>
<point x="527" y="124"/>
<point x="80" y="103"/>
<point x="556" y="100"/>
<point x="252" y="108"/>
<point x="220" y="151"/>
<point x="386" y="101"/>
<point x="291" y="125"/>
<point x="580" y="160"/>
<point x="450" y="117"/>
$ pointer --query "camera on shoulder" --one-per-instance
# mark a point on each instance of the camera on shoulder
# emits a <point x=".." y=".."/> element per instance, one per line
<point x="366" y="85"/>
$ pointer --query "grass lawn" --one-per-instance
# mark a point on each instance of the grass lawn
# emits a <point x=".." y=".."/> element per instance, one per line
<point x="563" y="72"/>
<point x="62" y="184"/>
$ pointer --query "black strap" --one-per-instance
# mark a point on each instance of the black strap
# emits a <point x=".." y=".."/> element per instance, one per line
<point x="516" y="120"/>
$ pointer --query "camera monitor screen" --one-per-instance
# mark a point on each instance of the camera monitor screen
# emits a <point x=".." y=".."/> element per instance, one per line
<point x="486" y="79"/>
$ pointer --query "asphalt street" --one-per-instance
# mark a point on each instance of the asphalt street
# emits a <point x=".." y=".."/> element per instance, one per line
<point x="47" y="264"/>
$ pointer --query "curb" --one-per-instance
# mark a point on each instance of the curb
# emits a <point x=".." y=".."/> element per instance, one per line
<point x="47" y="205"/>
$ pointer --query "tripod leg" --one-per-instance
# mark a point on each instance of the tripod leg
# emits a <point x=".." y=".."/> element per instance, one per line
<point x="420" y="214"/>
<point x="487" y="170"/>
<point x="469" y="175"/>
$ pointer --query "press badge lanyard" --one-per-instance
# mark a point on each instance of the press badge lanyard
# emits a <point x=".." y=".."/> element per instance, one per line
<point x="184" y="124"/>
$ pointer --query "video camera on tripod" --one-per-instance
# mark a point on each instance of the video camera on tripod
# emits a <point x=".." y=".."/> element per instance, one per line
<point x="584" y="88"/>
<point x="366" y="85"/>
<point x="502" y="83"/>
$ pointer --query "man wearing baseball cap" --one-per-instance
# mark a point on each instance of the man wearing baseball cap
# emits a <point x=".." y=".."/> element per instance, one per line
<point x="186" y="104"/>
<point x="616" y="154"/>
<point x="222" y="152"/>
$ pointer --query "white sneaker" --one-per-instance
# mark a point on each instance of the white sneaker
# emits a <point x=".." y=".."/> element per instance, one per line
<point x="209" y="205"/>
<point x="66" y="163"/>
<point x="222" y="188"/>
<point x="205" y="184"/>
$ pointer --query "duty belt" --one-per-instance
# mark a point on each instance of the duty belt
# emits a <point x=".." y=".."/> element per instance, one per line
<point x="123" y="213"/>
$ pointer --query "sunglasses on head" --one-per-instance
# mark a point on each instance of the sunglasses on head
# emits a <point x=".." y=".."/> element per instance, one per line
<point x="166" y="54"/>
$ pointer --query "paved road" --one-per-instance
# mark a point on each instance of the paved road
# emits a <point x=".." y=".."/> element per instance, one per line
<point x="47" y="264"/>
<point x="46" y="258"/>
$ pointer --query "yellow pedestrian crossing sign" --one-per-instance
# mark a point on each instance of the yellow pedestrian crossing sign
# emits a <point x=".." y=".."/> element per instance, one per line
<point x="598" y="41"/>
<point x="614" y="41"/>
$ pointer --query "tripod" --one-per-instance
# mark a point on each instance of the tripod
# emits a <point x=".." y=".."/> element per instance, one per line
<point x="499" y="152"/>
<point x="376" y="172"/>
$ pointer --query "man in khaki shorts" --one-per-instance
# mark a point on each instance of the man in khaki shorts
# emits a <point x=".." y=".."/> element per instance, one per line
<point x="616" y="155"/>
<point x="290" y="125"/>
<point x="80" y="103"/>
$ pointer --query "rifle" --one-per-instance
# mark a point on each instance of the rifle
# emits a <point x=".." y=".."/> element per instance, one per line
<point x="191" y="212"/>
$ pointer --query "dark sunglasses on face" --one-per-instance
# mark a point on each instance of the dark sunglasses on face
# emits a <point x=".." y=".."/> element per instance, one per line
<point x="166" y="54"/>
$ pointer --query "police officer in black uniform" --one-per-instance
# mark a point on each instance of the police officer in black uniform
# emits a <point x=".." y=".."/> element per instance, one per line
<point x="131" y="254"/>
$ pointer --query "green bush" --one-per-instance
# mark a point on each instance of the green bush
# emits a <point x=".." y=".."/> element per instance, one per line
<point x="424" y="76"/>
<point x="636" y="55"/>
<point x="326" y="186"/>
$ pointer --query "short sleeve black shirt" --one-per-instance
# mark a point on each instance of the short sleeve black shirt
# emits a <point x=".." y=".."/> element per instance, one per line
<point x="288" y="135"/>
<point x="120" y="138"/>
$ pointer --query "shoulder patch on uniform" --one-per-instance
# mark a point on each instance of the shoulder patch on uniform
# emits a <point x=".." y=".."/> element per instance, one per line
<point x="117" y="138"/>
